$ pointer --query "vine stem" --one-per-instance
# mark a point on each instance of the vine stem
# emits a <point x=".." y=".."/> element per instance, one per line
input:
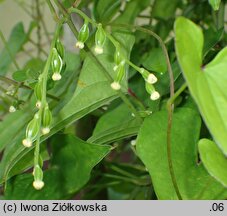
<point x="124" y="98"/>
<point x="176" y="95"/>
<point x="170" y="106"/>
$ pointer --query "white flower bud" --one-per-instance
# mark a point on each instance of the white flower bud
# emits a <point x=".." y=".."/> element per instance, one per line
<point x="27" y="143"/>
<point x="115" y="86"/>
<point x="38" y="104"/>
<point x="12" y="109"/>
<point x="152" y="79"/>
<point x="155" y="95"/>
<point x="56" y="76"/>
<point x="98" y="50"/>
<point x="45" y="130"/>
<point x="115" y="67"/>
<point x="79" y="45"/>
<point x="38" y="184"/>
<point x="122" y="62"/>
<point x="133" y="142"/>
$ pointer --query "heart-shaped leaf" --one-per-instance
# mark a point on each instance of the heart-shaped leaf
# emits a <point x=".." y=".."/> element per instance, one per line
<point x="213" y="159"/>
<point x="206" y="83"/>
<point x="193" y="180"/>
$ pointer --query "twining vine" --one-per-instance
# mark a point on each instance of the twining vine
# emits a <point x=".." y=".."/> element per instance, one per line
<point x="40" y="124"/>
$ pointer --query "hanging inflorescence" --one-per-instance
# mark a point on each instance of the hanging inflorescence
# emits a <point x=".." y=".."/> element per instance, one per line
<point x="41" y="122"/>
<point x="120" y="60"/>
<point x="40" y="125"/>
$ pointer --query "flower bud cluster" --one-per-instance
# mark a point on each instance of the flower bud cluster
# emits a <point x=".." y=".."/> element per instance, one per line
<point x="150" y="80"/>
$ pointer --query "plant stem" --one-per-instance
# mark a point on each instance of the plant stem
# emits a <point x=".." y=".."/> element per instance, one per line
<point x="37" y="150"/>
<point x="83" y="15"/>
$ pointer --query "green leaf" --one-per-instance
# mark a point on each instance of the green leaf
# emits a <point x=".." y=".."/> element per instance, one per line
<point x="105" y="10"/>
<point x="113" y="118"/>
<point x="71" y="165"/>
<point x="206" y="83"/>
<point x="20" y="75"/>
<point x="34" y="67"/>
<point x="155" y="61"/>
<point x="214" y="160"/>
<point x="115" y="125"/>
<point x="11" y="126"/>
<point x="192" y="178"/>
<point x="164" y="9"/>
<point x="16" y="40"/>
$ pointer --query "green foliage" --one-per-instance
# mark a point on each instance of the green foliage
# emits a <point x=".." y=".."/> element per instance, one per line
<point x="68" y="171"/>
<point x="162" y="11"/>
<point x="105" y="128"/>
<point x="115" y="125"/>
<point x="151" y="148"/>
<point x="213" y="159"/>
<point x="155" y="61"/>
<point x="105" y="10"/>
<point x="205" y="81"/>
